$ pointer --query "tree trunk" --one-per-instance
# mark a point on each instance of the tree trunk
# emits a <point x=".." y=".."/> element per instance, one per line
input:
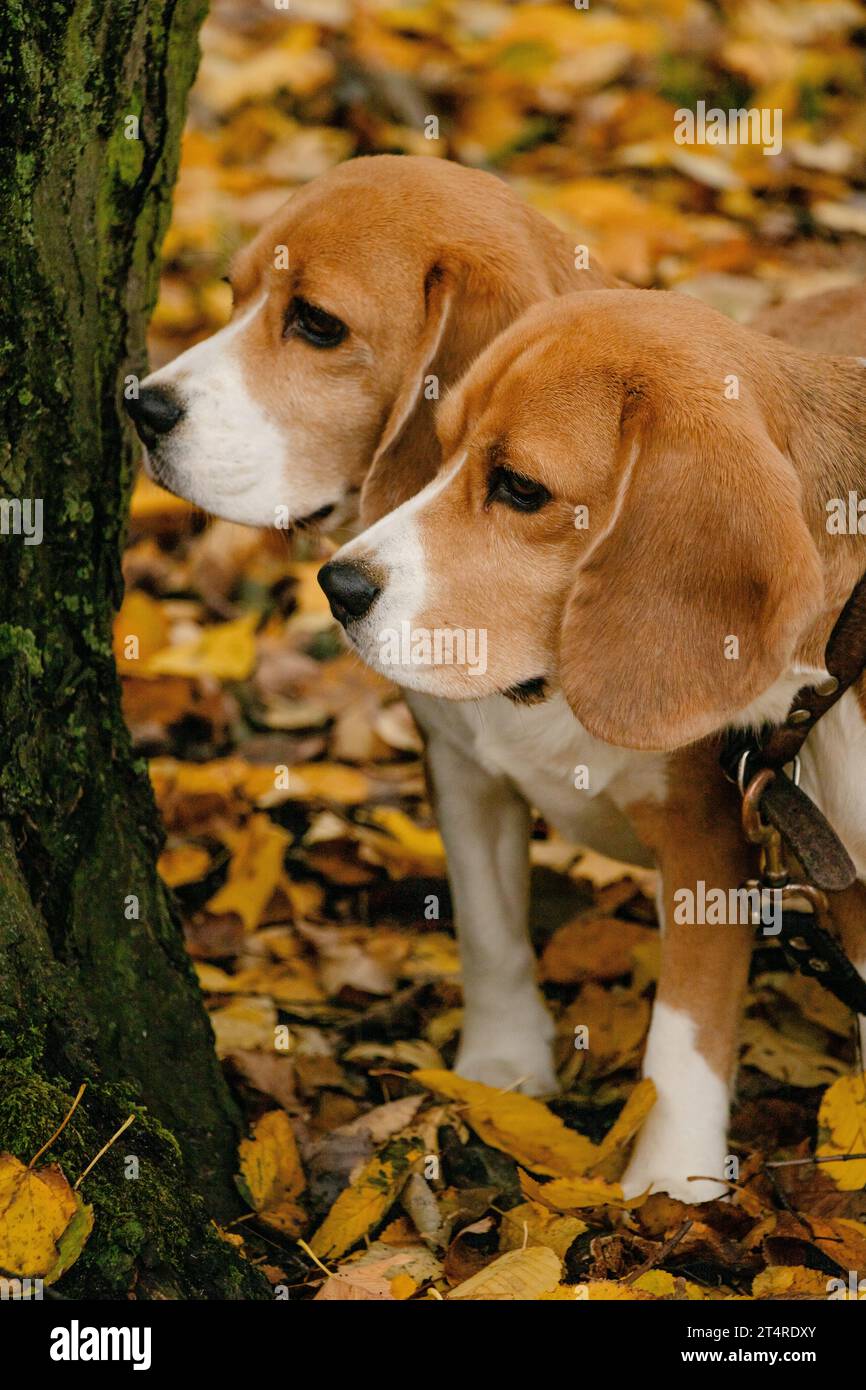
<point x="95" y="985"/>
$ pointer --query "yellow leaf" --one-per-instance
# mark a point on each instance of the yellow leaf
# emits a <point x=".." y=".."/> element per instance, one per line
<point x="403" y="1286"/>
<point x="784" y="1058"/>
<point x="616" y="1022"/>
<point x="661" y="1284"/>
<point x="43" y="1222"/>
<point x="271" y="1168"/>
<point x="842" y="1129"/>
<point x="515" y="1276"/>
<point x="609" y="1291"/>
<point x="227" y="652"/>
<point x="532" y="1224"/>
<point x="184" y="864"/>
<point x="530" y="1133"/>
<point x="140" y="630"/>
<point x="628" y="1122"/>
<point x="362" y="1205"/>
<point x="347" y="786"/>
<point x="244" y="1024"/>
<point x="291" y="983"/>
<point x="843" y="1240"/>
<point x="425" y="844"/>
<point x="577" y="1194"/>
<point x="306" y="899"/>
<point x="331" y="782"/>
<point x="518" y="1125"/>
<point x="255" y="870"/>
<point x="784" y="1281"/>
<point x="433" y="956"/>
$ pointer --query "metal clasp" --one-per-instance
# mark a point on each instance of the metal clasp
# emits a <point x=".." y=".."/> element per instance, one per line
<point x="773" y="868"/>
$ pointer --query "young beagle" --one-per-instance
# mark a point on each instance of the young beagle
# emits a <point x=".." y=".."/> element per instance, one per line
<point x="633" y="510"/>
<point x="355" y="307"/>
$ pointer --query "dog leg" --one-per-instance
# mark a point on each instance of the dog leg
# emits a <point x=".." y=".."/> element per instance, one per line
<point x="691" y="1050"/>
<point x="507" y="1030"/>
<point x="848" y="910"/>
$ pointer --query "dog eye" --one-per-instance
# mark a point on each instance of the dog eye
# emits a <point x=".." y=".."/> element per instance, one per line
<point x="314" y="325"/>
<point x="516" y="491"/>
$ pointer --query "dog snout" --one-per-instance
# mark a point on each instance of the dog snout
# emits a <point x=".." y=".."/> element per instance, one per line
<point x="154" y="411"/>
<point x="349" y="590"/>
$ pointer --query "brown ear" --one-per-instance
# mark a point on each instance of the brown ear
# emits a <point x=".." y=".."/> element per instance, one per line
<point x="407" y="455"/>
<point x="502" y="257"/>
<point x="706" y="543"/>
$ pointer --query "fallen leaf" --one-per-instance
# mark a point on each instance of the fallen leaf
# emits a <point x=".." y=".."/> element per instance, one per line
<point x="577" y="1194"/>
<point x="43" y="1223"/>
<point x="516" y="1124"/>
<point x="842" y="1129"/>
<point x="610" y="1157"/>
<point x="785" y="1059"/>
<point x="586" y="949"/>
<point x="245" y="1023"/>
<point x="616" y="1022"/>
<point x="781" y="1281"/>
<point x="421" y="843"/>
<point x="363" y="1205"/>
<point x="141" y="629"/>
<point x="227" y="652"/>
<point x="271" y="1169"/>
<point x="255" y="870"/>
<point x="183" y="864"/>
<point x="514" y="1276"/>
<point x="532" y="1224"/>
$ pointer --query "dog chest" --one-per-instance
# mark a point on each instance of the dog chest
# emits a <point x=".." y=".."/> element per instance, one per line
<point x="577" y="783"/>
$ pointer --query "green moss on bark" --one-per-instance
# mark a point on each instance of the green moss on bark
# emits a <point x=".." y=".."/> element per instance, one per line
<point x="89" y="989"/>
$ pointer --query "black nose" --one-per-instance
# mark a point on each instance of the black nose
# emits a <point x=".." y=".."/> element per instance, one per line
<point x="154" y="411"/>
<point x="349" y="590"/>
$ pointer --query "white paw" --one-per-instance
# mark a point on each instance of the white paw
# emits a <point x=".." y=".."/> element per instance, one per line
<point x="533" y="1076"/>
<point x="508" y="1054"/>
<point x="669" y="1152"/>
<point x="675" y="1182"/>
<point x="685" y="1134"/>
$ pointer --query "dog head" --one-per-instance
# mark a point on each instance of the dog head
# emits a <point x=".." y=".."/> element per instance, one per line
<point x="368" y="293"/>
<point x="624" y="513"/>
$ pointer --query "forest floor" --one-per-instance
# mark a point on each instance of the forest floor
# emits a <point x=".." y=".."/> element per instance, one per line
<point x="300" y="841"/>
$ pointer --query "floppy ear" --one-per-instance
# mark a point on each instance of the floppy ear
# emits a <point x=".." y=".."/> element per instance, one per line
<point x="407" y="455"/>
<point x="690" y="604"/>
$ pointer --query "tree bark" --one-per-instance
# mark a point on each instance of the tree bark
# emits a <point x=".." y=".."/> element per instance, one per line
<point x="95" y="985"/>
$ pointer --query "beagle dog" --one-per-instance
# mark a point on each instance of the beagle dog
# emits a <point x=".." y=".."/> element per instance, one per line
<point x="355" y="307"/>
<point x="357" y="304"/>
<point x="633" y="513"/>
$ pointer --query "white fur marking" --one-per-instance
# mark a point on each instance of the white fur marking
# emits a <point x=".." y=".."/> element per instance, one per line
<point x="226" y="454"/>
<point x="685" y="1134"/>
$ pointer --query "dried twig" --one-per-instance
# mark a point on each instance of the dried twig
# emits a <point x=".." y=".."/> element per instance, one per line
<point x="662" y="1254"/>
<point x="70" y="1112"/>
